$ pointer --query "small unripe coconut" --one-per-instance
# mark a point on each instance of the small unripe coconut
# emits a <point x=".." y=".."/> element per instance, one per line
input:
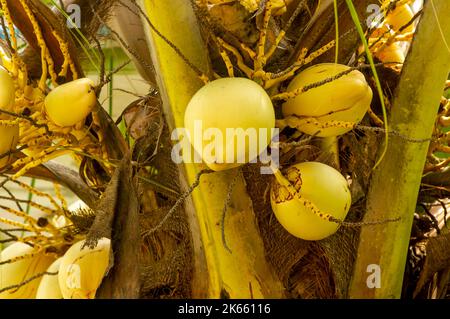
<point x="70" y="103"/>
<point x="7" y="92"/>
<point x="82" y="269"/>
<point x="9" y="136"/>
<point x="5" y="59"/>
<point x="400" y="17"/>
<point x="392" y="53"/>
<point x="49" y="285"/>
<point x="386" y="54"/>
<point x="15" y="273"/>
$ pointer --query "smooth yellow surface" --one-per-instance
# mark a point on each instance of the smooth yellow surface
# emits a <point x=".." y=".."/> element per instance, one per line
<point x="346" y="99"/>
<point x="9" y="136"/>
<point x="15" y="273"/>
<point x="326" y="188"/>
<point x="230" y="103"/>
<point x="7" y="91"/>
<point x="399" y="17"/>
<point x="5" y="60"/>
<point x="70" y="103"/>
<point x="49" y="285"/>
<point x="391" y="53"/>
<point x="82" y="270"/>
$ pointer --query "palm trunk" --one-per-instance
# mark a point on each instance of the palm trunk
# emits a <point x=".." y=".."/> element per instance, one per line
<point x="244" y="273"/>
<point x="395" y="184"/>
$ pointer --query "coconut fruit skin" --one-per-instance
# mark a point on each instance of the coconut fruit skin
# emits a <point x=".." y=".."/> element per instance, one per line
<point x="9" y="136"/>
<point x="229" y="103"/>
<point x="15" y="273"/>
<point x="82" y="269"/>
<point x="391" y="53"/>
<point x="387" y="54"/>
<point x="7" y="92"/>
<point x="346" y="99"/>
<point x="70" y="103"/>
<point x="49" y="285"/>
<point x="400" y="17"/>
<point x="322" y="185"/>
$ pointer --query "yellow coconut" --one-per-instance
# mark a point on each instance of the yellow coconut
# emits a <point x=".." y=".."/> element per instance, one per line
<point x="386" y="54"/>
<point x="82" y="270"/>
<point x="71" y="103"/>
<point x="400" y="17"/>
<point x="49" y="285"/>
<point x="12" y="274"/>
<point x="9" y="136"/>
<point x="345" y="99"/>
<point x="7" y="92"/>
<point x="5" y="60"/>
<point x="233" y="116"/>
<point x="392" y="53"/>
<point x="320" y="184"/>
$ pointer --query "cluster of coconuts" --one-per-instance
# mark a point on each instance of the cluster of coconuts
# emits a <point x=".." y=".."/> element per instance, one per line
<point x="399" y="17"/>
<point x="240" y="103"/>
<point x="76" y="275"/>
<point x="65" y="106"/>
